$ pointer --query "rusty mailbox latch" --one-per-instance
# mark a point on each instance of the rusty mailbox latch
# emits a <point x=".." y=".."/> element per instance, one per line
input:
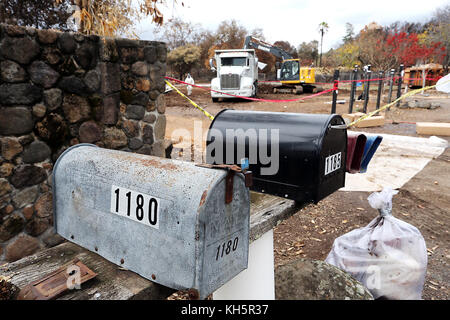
<point x="55" y="283"/>
<point x="232" y="169"/>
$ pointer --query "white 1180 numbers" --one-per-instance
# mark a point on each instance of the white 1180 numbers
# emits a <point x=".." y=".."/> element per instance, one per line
<point x="136" y="206"/>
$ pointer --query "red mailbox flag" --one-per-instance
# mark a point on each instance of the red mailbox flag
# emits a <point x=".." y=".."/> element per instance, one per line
<point x="355" y="150"/>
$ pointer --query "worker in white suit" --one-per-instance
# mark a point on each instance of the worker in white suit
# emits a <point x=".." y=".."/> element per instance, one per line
<point x="189" y="80"/>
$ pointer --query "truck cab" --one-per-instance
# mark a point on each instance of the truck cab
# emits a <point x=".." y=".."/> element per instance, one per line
<point x="237" y="73"/>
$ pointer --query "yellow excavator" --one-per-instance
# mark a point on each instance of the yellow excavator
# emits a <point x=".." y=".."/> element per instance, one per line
<point x="293" y="77"/>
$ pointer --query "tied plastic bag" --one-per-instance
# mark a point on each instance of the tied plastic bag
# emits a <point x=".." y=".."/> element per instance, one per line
<point x="388" y="256"/>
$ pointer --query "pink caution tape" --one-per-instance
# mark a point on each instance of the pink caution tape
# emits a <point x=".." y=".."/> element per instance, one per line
<point x="248" y="98"/>
<point x="335" y="87"/>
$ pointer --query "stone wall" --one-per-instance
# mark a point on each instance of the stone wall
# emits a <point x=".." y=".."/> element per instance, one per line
<point x="58" y="90"/>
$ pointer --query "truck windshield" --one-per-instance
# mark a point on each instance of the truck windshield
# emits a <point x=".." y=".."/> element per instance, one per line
<point x="238" y="61"/>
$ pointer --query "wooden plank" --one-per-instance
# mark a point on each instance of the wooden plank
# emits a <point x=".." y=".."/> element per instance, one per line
<point x="433" y="128"/>
<point x="115" y="283"/>
<point x="266" y="212"/>
<point x="374" y="121"/>
<point x="348" y="117"/>
<point x="111" y="283"/>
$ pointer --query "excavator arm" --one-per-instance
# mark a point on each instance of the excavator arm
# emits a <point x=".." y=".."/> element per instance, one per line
<point x="293" y="78"/>
<point x="253" y="43"/>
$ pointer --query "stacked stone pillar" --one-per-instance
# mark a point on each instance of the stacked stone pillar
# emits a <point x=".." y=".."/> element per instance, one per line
<point x="60" y="89"/>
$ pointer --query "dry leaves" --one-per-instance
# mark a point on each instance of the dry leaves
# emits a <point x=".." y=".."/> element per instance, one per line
<point x="114" y="17"/>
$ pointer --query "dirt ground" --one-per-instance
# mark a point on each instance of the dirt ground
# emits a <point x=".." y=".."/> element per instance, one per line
<point x="423" y="202"/>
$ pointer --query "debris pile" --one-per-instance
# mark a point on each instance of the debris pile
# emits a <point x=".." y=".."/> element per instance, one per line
<point x="8" y="291"/>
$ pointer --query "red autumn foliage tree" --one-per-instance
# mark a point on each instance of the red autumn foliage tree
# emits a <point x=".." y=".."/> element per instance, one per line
<point x="385" y="49"/>
<point x="407" y="49"/>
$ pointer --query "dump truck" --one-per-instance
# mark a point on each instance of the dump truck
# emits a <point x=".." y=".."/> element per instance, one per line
<point x="293" y="77"/>
<point x="237" y="74"/>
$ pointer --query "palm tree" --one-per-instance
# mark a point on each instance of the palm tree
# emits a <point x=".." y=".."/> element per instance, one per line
<point x="323" y="28"/>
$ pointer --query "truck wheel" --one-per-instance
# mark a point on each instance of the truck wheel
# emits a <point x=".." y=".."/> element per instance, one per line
<point x="215" y="99"/>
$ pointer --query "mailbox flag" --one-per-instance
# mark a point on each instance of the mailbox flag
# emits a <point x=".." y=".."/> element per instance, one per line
<point x="369" y="150"/>
<point x="356" y="143"/>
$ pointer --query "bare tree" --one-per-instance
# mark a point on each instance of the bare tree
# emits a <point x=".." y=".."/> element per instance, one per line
<point x="42" y="14"/>
<point x="177" y="33"/>
<point x="231" y="33"/>
<point x="308" y="52"/>
<point x="286" y="46"/>
<point x="350" y="33"/>
<point x="439" y="31"/>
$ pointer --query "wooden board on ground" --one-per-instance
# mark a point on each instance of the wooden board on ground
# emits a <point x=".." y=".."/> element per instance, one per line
<point x="115" y="283"/>
<point x="350" y="117"/>
<point x="433" y="128"/>
<point x="374" y="121"/>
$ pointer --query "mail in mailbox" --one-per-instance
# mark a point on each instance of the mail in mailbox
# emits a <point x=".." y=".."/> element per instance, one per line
<point x="292" y="155"/>
<point x="164" y="219"/>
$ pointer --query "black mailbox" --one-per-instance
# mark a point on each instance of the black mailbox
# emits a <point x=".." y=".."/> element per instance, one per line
<point x="291" y="155"/>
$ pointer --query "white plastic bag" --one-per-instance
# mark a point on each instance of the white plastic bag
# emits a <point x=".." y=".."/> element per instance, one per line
<point x="388" y="256"/>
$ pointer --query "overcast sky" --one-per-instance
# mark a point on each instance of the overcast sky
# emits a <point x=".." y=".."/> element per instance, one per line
<point x="294" y="20"/>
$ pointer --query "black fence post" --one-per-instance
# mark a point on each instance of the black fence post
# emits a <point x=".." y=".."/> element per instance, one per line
<point x="391" y="83"/>
<point x="335" y="91"/>
<point x="367" y="90"/>
<point x="399" y="83"/>
<point x="380" y="88"/>
<point x="354" y="77"/>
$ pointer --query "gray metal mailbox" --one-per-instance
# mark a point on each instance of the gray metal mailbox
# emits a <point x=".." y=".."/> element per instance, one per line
<point x="164" y="219"/>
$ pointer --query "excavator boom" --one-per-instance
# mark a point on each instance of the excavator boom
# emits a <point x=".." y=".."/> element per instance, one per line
<point x="253" y="43"/>
<point x="290" y="74"/>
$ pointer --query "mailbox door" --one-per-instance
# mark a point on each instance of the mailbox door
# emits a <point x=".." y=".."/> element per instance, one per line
<point x="225" y="229"/>
<point x="332" y="159"/>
